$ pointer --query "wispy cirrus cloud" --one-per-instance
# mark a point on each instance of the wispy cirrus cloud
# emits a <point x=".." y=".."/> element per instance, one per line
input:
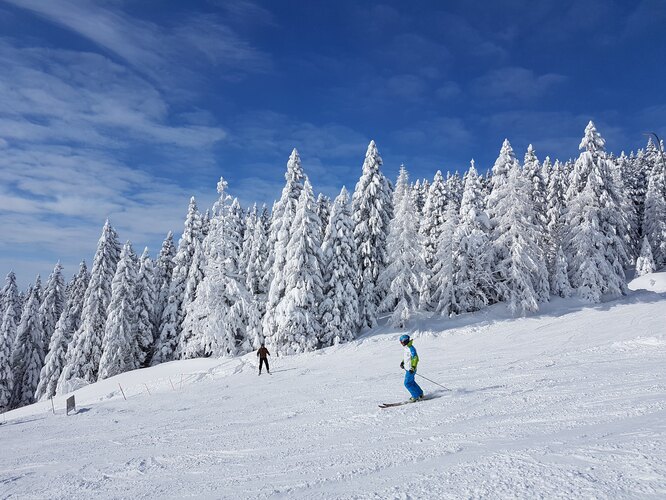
<point x="155" y="51"/>
<point x="83" y="139"/>
<point x="515" y="84"/>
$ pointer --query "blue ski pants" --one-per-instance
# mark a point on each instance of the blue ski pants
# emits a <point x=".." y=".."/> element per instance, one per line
<point x="412" y="386"/>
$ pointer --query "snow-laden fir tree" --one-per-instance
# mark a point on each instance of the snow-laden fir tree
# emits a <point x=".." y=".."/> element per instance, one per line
<point x="145" y="301"/>
<point x="27" y="353"/>
<point x="6" y="379"/>
<point x="67" y="324"/>
<point x="523" y="277"/>
<point x="194" y="277"/>
<point x="434" y="216"/>
<point x="555" y="197"/>
<point x="53" y="302"/>
<point x="372" y="210"/>
<point x="119" y="343"/>
<point x="339" y="309"/>
<point x="85" y="350"/>
<point x="418" y="196"/>
<point x="596" y="225"/>
<point x="8" y="325"/>
<point x="297" y="314"/>
<point x="404" y="276"/>
<point x="205" y="224"/>
<point x="173" y="314"/>
<point x="455" y="188"/>
<point x="500" y="174"/>
<point x="442" y="284"/>
<point x="623" y="171"/>
<point x="323" y="212"/>
<point x="284" y="211"/>
<point x="645" y="261"/>
<point x="472" y="249"/>
<point x="10" y="308"/>
<point x="533" y="175"/>
<point x="635" y="171"/>
<point x="559" y="277"/>
<point x="654" y="215"/>
<point x="500" y="171"/>
<point x="222" y="318"/>
<point x="256" y="261"/>
<point x="163" y="271"/>
<point x="251" y="221"/>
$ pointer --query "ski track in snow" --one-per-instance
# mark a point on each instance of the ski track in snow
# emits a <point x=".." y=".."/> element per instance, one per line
<point x="567" y="404"/>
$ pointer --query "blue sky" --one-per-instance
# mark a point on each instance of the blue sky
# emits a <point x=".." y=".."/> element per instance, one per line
<point x="123" y="109"/>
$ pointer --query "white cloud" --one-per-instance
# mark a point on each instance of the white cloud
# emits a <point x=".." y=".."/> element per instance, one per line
<point x="85" y="139"/>
<point x="515" y="84"/>
<point x="153" y="50"/>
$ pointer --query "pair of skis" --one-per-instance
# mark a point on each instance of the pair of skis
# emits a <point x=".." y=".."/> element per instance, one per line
<point x="426" y="397"/>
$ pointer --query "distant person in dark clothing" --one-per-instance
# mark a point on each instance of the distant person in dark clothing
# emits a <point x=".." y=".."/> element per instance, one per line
<point x="263" y="354"/>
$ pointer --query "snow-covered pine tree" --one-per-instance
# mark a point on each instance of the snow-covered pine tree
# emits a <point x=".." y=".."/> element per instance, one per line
<point x="27" y="353"/>
<point x="145" y="301"/>
<point x="222" y="318"/>
<point x="8" y="325"/>
<point x="500" y="173"/>
<point x="284" y="211"/>
<point x="257" y="258"/>
<point x="205" y="224"/>
<point x="53" y="302"/>
<point x="596" y="226"/>
<point x="323" y="212"/>
<point x="546" y="169"/>
<point x="645" y="261"/>
<point x="11" y="308"/>
<point x="372" y="210"/>
<point x="471" y="247"/>
<point x="85" y="350"/>
<point x="455" y="188"/>
<point x="418" y="198"/>
<point x="559" y="277"/>
<point x="654" y="215"/>
<point x="67" y="324"/>
<point x="119" y="343"/>
<point x="522" y="272"/>
<point x="297" y="314"/>
<point x="533" y="175"/>
<point x="434" y="216"/>
<point x="173" y="314"/>
<point x="404" y="275"/>
<point x="339" y="309"/>
<point x="251" y="221"/>
<point x="194" y="277"/>
<point x="442" y="285"/>
<point x="624" y="172"/>
<point x="555" y="198"/>
<point x="163" y="272"/>
<point x="635" y="177"/>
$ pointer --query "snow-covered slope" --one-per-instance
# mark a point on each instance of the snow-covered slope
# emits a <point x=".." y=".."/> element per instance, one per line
<point x="570" y="403"/>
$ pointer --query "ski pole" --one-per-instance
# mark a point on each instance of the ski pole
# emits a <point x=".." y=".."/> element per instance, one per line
<point x="445" y="388"/>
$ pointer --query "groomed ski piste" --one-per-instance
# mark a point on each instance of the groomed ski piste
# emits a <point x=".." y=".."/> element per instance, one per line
<point x="568" y="403"/>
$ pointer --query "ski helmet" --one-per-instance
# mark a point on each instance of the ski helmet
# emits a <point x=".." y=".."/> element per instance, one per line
<point x="404" y="339"/>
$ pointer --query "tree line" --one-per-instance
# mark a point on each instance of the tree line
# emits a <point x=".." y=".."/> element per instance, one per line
<point x="312" y="272"/>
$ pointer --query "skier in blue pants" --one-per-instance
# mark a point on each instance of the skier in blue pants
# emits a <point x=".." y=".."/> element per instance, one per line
<point x="409" y="363"/>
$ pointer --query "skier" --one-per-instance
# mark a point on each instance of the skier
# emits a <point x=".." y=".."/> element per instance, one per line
<point x="263" y="354"/>
<point x="411" y="359"/>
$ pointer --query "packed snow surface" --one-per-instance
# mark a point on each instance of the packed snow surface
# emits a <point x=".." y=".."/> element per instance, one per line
<point x="567" y="404"/>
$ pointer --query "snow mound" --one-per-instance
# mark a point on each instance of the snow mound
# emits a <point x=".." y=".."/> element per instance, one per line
<point x="653" y="282"/>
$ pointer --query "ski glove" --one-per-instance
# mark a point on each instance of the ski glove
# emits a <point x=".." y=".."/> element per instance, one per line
<point x="402" y="365"/>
